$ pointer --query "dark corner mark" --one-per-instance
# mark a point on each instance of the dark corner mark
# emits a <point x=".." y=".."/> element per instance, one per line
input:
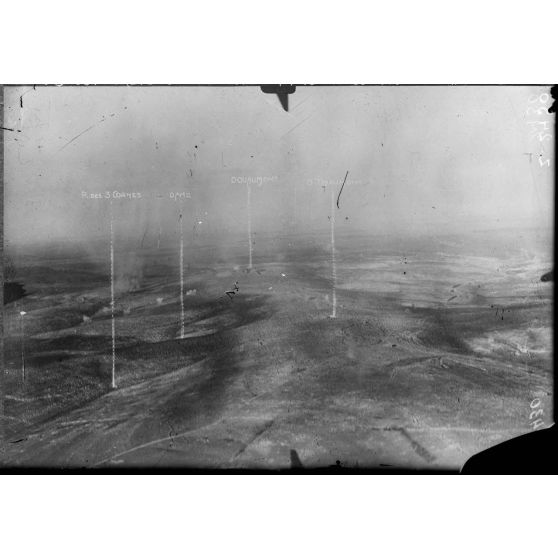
<point x="554" y="93"/>
<point x="532" y="453"/>
<point x="548" y="276"/>
<point x="342" y="186"/>
<point x="282" y="91"/>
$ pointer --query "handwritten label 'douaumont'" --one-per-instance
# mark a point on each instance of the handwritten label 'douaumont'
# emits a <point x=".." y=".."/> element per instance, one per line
<point x="258" y="180"/>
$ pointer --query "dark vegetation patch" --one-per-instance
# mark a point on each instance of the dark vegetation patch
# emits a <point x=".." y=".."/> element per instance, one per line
<point x="64" y="373"/>
<point x="13" y="291"/>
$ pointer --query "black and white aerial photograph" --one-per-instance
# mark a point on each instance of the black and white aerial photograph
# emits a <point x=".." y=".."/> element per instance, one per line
<point x="275" y="277"/>
<point x="278" y="279"/>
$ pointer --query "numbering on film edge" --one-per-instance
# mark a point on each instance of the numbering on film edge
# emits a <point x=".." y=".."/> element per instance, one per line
<point x="537" y="112"/>
<point x="536" y="412"/>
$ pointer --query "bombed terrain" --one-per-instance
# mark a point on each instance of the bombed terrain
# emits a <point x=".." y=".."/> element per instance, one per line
<point x="247" y="278"/>
<point x="436" y="351"/>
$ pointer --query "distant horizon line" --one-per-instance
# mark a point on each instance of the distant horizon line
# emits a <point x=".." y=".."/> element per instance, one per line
<point x="238" y="236"/>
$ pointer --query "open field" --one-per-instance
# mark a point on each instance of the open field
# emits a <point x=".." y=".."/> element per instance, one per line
<point x="437" y="348"/>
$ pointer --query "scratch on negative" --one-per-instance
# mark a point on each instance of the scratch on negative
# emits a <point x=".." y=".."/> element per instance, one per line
<point x="76" y="137"/>
<point x="342" y="186"/>
<point x="154" y="442"/>
<point x="266" y="427"/>
<point x="80" y="134"/>
<point x="294" y="127"/>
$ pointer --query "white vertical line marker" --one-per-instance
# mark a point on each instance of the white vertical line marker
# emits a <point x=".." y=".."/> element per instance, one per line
<point x="248" y="190"/>
<point x="181" y="274"/>
<point x="22" y="313"/>
<point x="112" y="298"/>
<point x="333" y="263"/>
<point x="295" y="205"/>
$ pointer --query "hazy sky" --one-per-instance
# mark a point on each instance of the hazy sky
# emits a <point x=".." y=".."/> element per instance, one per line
<point x="419" y="159"/>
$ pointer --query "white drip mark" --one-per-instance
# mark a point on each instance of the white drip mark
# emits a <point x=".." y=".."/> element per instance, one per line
<point x="333" y="264"/>
<point x="112" y="298"/>
<point x="249" y="226"/>
<point x="181" y="275"/>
